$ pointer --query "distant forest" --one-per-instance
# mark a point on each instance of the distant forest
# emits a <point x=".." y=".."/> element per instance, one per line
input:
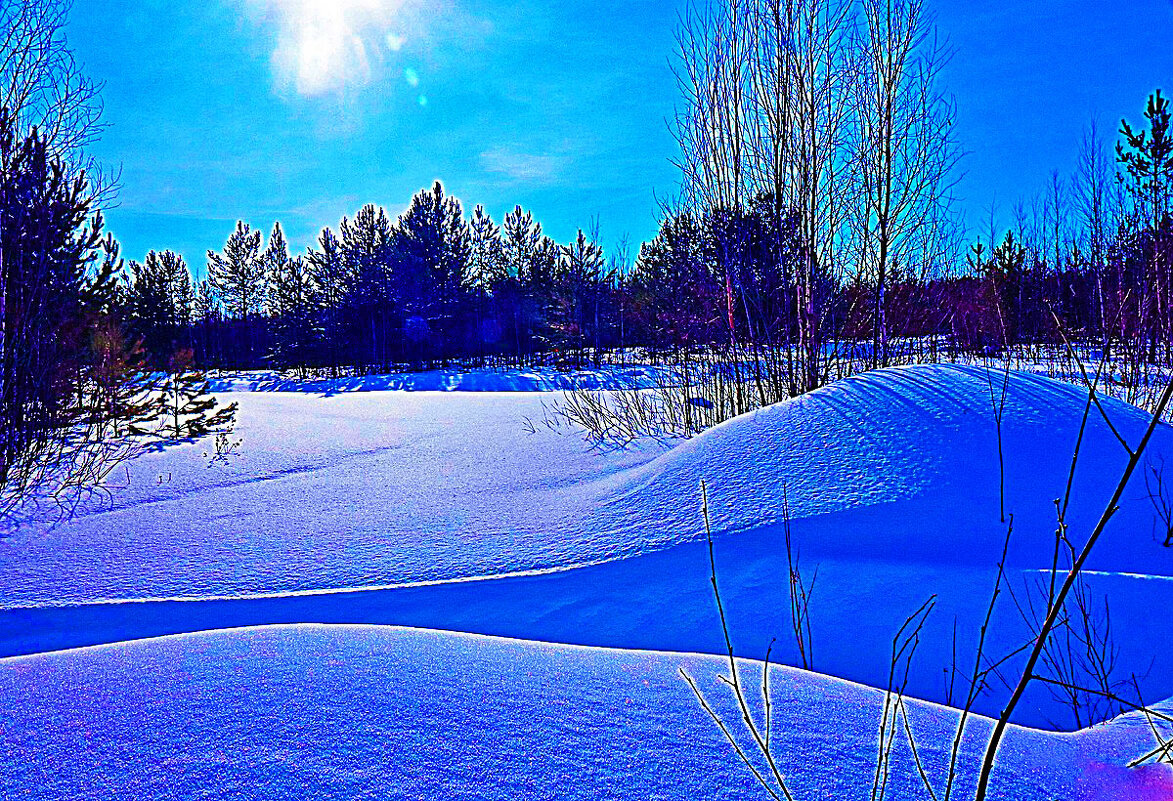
<point x="1091" y="259"/>
<point x="815" y="234"/>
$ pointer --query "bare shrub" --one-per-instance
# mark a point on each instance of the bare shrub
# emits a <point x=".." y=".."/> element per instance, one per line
<point x="1070" y="650"/>
<point x="1162" y="501"/>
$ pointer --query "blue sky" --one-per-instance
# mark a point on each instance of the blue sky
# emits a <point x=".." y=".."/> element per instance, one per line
<point x="303" y="110"/>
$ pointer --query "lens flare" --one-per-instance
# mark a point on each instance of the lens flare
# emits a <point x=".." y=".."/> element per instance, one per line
<point x="326" y="45"/>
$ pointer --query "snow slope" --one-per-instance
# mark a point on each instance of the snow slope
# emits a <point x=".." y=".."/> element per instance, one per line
<point x="351" y="490"/>
<point x="384" y="488"/>
<point x="892" y="478"/>
<point x="380" y="713"/>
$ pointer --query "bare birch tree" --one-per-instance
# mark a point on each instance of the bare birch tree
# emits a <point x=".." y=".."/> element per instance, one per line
<point x="807" y="70"/>
<point x="41" y="83"/>
<point x="767" y="89"/>
<point x="714" y="47"/>
<point x="906" y="150"/>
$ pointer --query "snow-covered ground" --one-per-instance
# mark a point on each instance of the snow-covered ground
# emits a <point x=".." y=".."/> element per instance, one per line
<point x="385" y="488"/>
<point x="378" y="712"/>
<point x="436" y="509"/>
<point x="456" y="379"/>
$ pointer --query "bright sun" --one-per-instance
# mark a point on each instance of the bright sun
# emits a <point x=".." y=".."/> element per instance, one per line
<point x="325" y="45"/>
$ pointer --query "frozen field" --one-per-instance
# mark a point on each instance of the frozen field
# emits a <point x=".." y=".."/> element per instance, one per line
<point x="378" y="712"/>
<point x="364" y="506"/>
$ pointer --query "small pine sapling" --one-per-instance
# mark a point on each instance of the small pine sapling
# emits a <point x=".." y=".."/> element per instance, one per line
<point x="188" y="409"/>
<point x="120" y="401"/>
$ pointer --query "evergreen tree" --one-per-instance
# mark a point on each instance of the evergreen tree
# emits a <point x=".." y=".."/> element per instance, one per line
<point x="334" y="288"/>
<point x="207" y="320"/>
<point x="65" y="407"/>
<point x="1146" y="157"/>
<point x="432" y="253"/>
<point x="289" y="303"/>
<point x="293" y="305"/>
<point x="45" y="246"/>
<point x="574" y="317"/>
<point x="329" y="270"/>
<point x="274" y="260"/>
<point x="206" y="304"/>
<point x="238" y="277"/>
<point x="486" y="274"/>
<point x="124" y="404"/>
<point x="367" y="249"/>
<point x="679" y="298"/>
<point x="238" y="274"/>
<point x="187" y="408"/>
<point x="1006" y="273"/>
<point x="522" y="245"/>
<point x="486" y="258"/>
<point x="531" y="259"/>
<point x="160" y="302"/>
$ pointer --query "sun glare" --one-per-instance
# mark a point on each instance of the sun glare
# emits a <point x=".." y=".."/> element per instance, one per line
<point x="326" y="45"/>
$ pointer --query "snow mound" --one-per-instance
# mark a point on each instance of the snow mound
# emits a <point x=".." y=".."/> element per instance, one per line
<point x="388" y="488"/>
<point x="436" y="511"/>
<point x="885" y="436"/>
<point x="373" y="712"/>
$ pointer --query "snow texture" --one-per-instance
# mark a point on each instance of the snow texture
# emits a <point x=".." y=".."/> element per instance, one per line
<point x="388" y="488"/>
<point x="390" y="713"/>
<point x="436" y="510"/>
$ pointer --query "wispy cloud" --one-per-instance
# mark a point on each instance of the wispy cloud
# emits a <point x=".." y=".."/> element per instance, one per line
<point x="522" y="167"/>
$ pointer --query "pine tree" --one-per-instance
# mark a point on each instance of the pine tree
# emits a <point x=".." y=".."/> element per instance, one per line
<point x="206" y="305"/>
<point x="121" y="403"/>
<point x="207" y="320"/>
<point x="485" y="276"/>
<point x="274" y="260"/>
<point x="334" y="288"/>
<point x="187" y="408"/>
<point x="1146" y="156"/>
<point x="64" y="408"/>
<point x="523" y="245"/>
<point x="160" y="302"/>
<point x="368" y="253"/>
<point x="679" y="291"/>
<point x="329" y="270"/>
<point x="530" y="258"/>
<point x="238" y="276"/>
<point x="577" y="289"/>
<point x="366" y="246"/>
<point x="1005" y="270"/>
<point x="432" y="253"/>
<point x="486" y="261"/>
<point x="293" y="306"/>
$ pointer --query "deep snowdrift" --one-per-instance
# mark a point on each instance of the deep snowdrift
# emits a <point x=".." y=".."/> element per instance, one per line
<point x="892" y="478"/>
<point x="381" y="713"/>
<point x="385" y="488"/>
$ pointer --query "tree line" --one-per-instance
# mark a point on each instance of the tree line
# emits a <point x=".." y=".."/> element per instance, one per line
<point x="816" y="231"/>
<point x="814" y="235"/>
<point x="1089" y="258"/>
<point x="426" y="288"/>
